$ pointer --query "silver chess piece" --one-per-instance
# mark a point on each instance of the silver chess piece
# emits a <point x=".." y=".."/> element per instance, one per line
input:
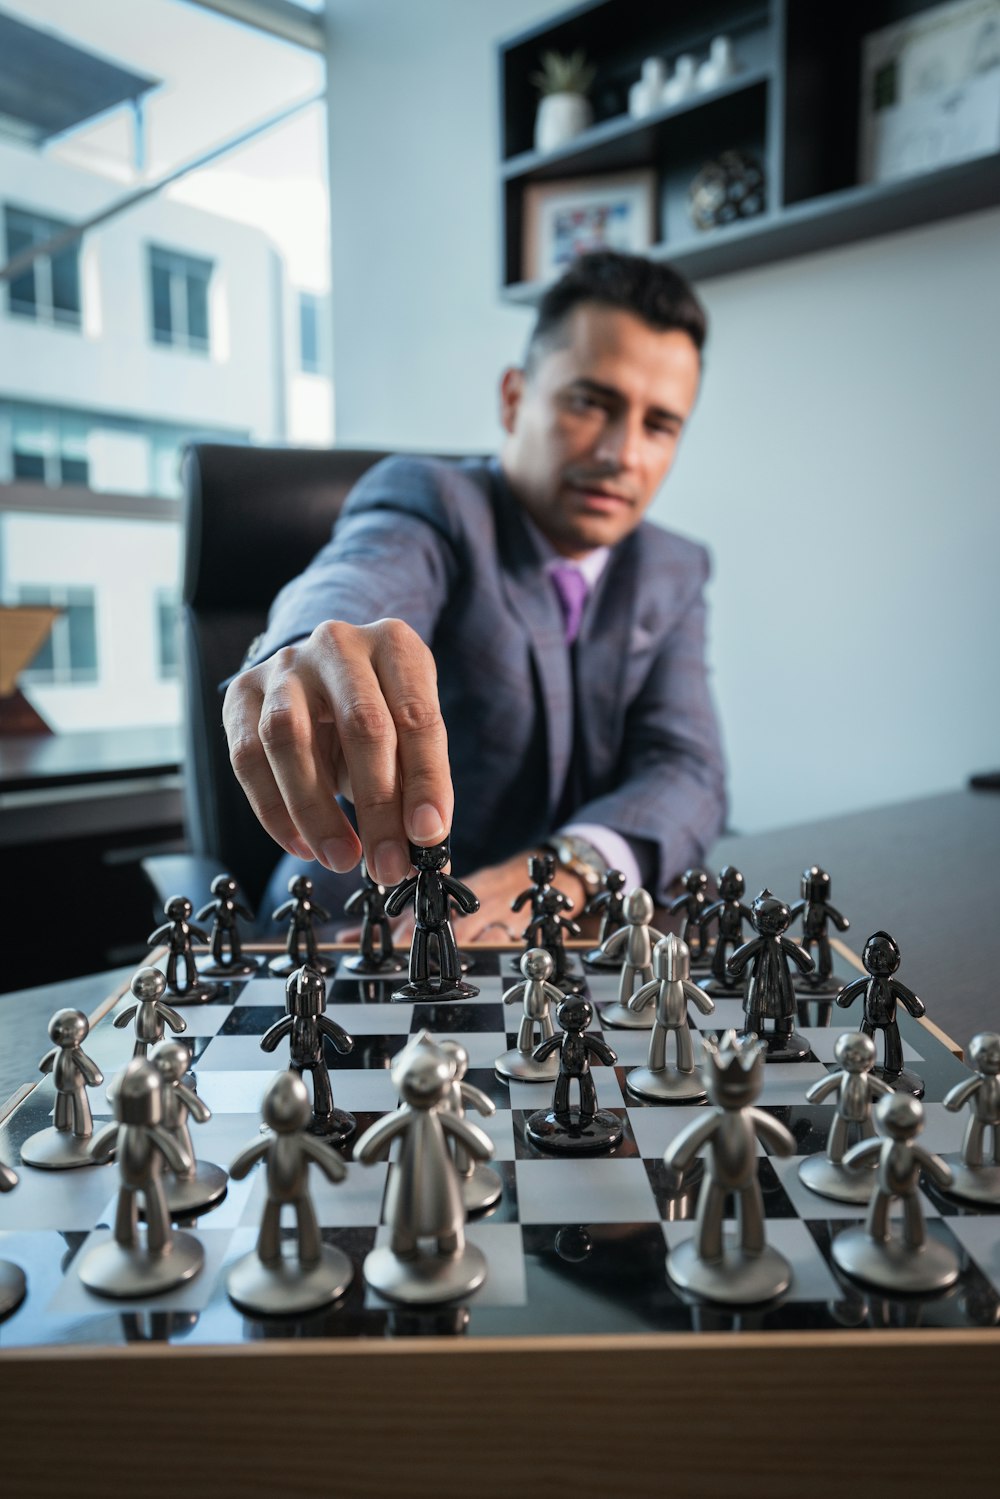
<point x="150" y="1011"/>
<point x="711" y="1265"/>
<point x="856" y="1088"/>
<point x="912" y="1262"/>
<point x="634" y="943"/>
<point x="538" y="994"/>
<point x="424" y="1196"/>
<point x="268" y="1282"/>
<point x="12" y="1280"/>
<point x="203" y="1184"/>
<point x="66" y="1144"/>
<point x="671" y="989"/>
<point x="124" y="1266"/>
<point x="976" y="1173"/>
<point x="481" y="1186"/>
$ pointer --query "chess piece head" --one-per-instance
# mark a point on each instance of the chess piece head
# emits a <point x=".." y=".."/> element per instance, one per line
<point x="695" y="881"/>
<point x="178" y="908"/>
<point x="731" y="883"/>
<point x="536" y="963"/>
<point x="899" y="1116"/>
<point x="855" y="1051"/>
<point x="171" y="1060"/>
<point x="672" y="959"/>
<point x="370" y="882"/>
<point x="614" y="880"/>
<point x="148" y="984"/>
<point x="574" y="1244"/>
<point x="435" y="856"/>
<point x="881" y="955"/>
<point x="574" y="1015"/>
<point x="541" y="868"/>
<point x="733" y="1073"/>
<point x="984" y="1053"/>
<point x="770" y="915"/>
<point x="300" y="887"/>
<point x="639" y="907"/>
<point x="459" y="1057"/>
<point x="815" y="883"/>
<point x="305" y="992"/>
<point x="224" y="886"/>
<point x="286" y="1107"/>
<point x="136" y="1095"/>
<point x="70" y="1027"/>
<point x="422" y="1072"/>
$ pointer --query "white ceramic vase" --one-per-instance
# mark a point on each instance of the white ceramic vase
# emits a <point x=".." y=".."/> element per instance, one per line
<point x="560" y="117"/>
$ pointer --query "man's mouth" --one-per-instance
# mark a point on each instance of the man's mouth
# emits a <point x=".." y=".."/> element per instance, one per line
<point x="600" y="500"/>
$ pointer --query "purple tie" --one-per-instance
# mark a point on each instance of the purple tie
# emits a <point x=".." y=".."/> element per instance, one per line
<point x="571" y="586"/>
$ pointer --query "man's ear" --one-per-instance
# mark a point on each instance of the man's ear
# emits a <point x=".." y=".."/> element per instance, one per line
<point x="511" y="390"/>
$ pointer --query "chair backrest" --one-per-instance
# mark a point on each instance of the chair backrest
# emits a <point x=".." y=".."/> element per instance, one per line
<point x="253" y="519"/>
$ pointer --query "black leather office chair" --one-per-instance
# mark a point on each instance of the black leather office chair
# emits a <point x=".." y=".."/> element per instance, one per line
<point x="253" y="519"/>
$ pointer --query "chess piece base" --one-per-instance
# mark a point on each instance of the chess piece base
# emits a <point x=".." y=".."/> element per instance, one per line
<point x="595" y="958"/>
<point x="973" y="1183"/>
<point x="823" y="989"/>
<point x="335" y="1127"/>
<point x="13" y="1287"/>
<point x="367" y="968"/>
<point x="57" y="1150"/>
<point x="481" y="1190"/>
<point x="282" y="966"/>
<point x="737" y="1279"/>
<point x="892" y="1266"/>
<point x="195" y="994"/>
<point x="628" y="1020"/>
<point x="113" y="1270"/>
<point x="433" y="991"/>
<point x="903" y="1081"/>
<point x="426" y="1279"/>
<point x="842" y="1183"/>
<point x="574" y="1133"/>
<point x="289" y="1288"/>
<point x="783" y="1046"/>
<point x="524" y="1069"/>
<point x="712" y="986"/>
<point x="188" y="1195"/>
<point x="668" y="1086"/>
<point x="238" y="970"/>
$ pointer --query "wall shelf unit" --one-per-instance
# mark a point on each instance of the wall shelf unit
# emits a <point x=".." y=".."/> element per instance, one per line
<point x="794" y="105"/>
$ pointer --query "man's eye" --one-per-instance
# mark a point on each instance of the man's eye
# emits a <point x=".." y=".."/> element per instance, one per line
<point x="659" y="430"/>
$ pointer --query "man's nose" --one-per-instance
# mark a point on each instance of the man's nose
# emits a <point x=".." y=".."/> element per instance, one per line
<point x="619" y="443"/>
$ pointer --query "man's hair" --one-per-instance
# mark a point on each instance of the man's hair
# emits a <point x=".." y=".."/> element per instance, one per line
<point x="654" y="293"/>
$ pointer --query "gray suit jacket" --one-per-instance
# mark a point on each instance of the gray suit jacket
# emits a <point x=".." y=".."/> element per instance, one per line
<point x="443" y="547"/>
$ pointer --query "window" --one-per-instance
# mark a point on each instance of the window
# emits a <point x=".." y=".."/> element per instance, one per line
<point x="309" y="333"/>
<point x="179" y="299"/>
<point x="167" y="634"/>
<point x="49" y="289"/>
<point x="46" y="445"/>
<point x="70" y="653"/>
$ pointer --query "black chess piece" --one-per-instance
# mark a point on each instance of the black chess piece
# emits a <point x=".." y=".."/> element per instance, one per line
<point x="769" y="994"/>
<point x="548" y="930"/>
<point x="541" y="871"/>
<point x="302" y="912"/>
<point x="227" y="948"/>
<point x="306" y="1025"/>
<point x="433" y="893"/>
<point x="728" y="913"/>
<point x="586" y="1128"/>
<point x="377" y="953"/>
<point x="178" y="931"/>
<point x="817" y="914"/>
<point x="881" y="958"/>
<point x="693" y="904"/>
<point x="610" y="903"/>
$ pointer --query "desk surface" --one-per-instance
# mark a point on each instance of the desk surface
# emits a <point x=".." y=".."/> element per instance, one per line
<point x="33" y="762"/>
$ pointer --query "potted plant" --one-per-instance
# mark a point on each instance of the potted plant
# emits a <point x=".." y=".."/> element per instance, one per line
<point x="564" y="109"/>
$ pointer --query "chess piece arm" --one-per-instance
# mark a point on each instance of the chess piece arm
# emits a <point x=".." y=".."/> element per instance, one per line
<point x="780" y="1139"/>
<point x="617" y="939"/>
<point x="937" y="1169"/>
<point x="863" y="1152"/>
<point x="103" y="1144"/>
<point x="275" y="1032"/>
<point x="355" y="902"/>
<point x="477" y="1098"/>
<point x="318" y="912"/>
<point x="343" y="1042"/>
<point x="519" y="900"/>
<point x="681" y="903"/>
<point x="396" y="899"/>
<point x="601" y="1049"/>
<point x="570" y="926"/>
<point x="515" y="993"/>
<point x="824" y="1086"/>
<point x="196" y="931"/>
<point x="173" y="1017"/>
<point x="197" y="1107"/>
<point x="797" y="954"/>
<point x="379" y="1136"/>
<point x="49" y="1060"/>
<point x="681" y="1152"/>
<point x="795" y="910"/>
<point x="553" y="995"/>
<point x="465" y="899"/>
<point x="175" y="1155"/>
<point x="960" y="1094"/>
<point x="705" y="1002"/>
<point x="92" y="1074"/>
<point x="546" y="1048"/>
<point x="655" y="935"/>
<point x="285" y="909"/>
<point x="840" y="922"/>
<point x="877" y="1087"/>
<point x="850" y="992"/>
<point x="242" y="911"/>
<point x="915" y="1006"/>
<point x="321" y="1155"/>
<point x="475" y="1140"/>
<point x="643" y="996"/>
<point x="8" y="1178"/>
<point x="248" y="1157"/>
<point x="211" y="909"/>
<point x="122" y="1020"/>
<point x="741" y="957"/>
<point x="160" y="933"/>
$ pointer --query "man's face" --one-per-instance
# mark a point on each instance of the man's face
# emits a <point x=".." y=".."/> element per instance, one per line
<point x="593" y="430"/>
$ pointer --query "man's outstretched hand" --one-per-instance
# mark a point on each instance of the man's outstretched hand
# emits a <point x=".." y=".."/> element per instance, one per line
<point x="353" y="710"/>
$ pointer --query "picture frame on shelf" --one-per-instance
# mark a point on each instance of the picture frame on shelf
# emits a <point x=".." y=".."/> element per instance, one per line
<point x="930" y="91"/>
<point x="566" y="218"/>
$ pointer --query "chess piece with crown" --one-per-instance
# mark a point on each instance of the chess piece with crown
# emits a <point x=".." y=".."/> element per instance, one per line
<point x="746" y="1269"/>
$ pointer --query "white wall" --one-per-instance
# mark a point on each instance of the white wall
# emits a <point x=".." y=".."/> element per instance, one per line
<point x="842" y="465"/>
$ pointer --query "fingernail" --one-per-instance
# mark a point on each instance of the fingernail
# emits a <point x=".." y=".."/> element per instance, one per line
<point x="339" y="854"/>
<point x="391" y="864"/>
<point x="300" y="848"/>
<point x="426" y="824"/>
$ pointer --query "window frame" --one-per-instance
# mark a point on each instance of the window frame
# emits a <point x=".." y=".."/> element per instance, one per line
<point x="43" y="308"/>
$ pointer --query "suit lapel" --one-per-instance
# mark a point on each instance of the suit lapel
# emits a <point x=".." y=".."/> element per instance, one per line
<point x="603" y="648"/>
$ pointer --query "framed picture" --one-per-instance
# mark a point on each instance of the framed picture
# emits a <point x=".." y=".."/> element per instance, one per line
<point x="565" y="219"/>
<point x="930" y="91"/>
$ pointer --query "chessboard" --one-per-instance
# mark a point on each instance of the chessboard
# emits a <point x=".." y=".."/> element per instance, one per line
<point x="576" y="1305"/>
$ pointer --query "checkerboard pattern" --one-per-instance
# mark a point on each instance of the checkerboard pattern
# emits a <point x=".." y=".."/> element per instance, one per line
<point x="574" y="1245"/>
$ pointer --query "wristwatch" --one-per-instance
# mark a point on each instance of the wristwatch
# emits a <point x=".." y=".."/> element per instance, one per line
<point x="580" y="858"/>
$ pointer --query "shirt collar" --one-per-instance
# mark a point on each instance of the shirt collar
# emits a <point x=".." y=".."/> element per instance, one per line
<point x="590" y="566"/>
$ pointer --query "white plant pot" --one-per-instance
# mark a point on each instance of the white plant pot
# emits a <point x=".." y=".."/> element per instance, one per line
<point x="560" y="117"/>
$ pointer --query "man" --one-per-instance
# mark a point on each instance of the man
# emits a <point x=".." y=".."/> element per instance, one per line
<point x="508" y="640"/>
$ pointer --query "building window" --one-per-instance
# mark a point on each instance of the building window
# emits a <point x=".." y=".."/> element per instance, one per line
<point x="168" y="634"/>
<point x="309" y="333"/>
<point x="70" y="653"/>
<point x="49" y="289"/>
<point x="179" y="299"/>
<point x="48" y="446"/>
